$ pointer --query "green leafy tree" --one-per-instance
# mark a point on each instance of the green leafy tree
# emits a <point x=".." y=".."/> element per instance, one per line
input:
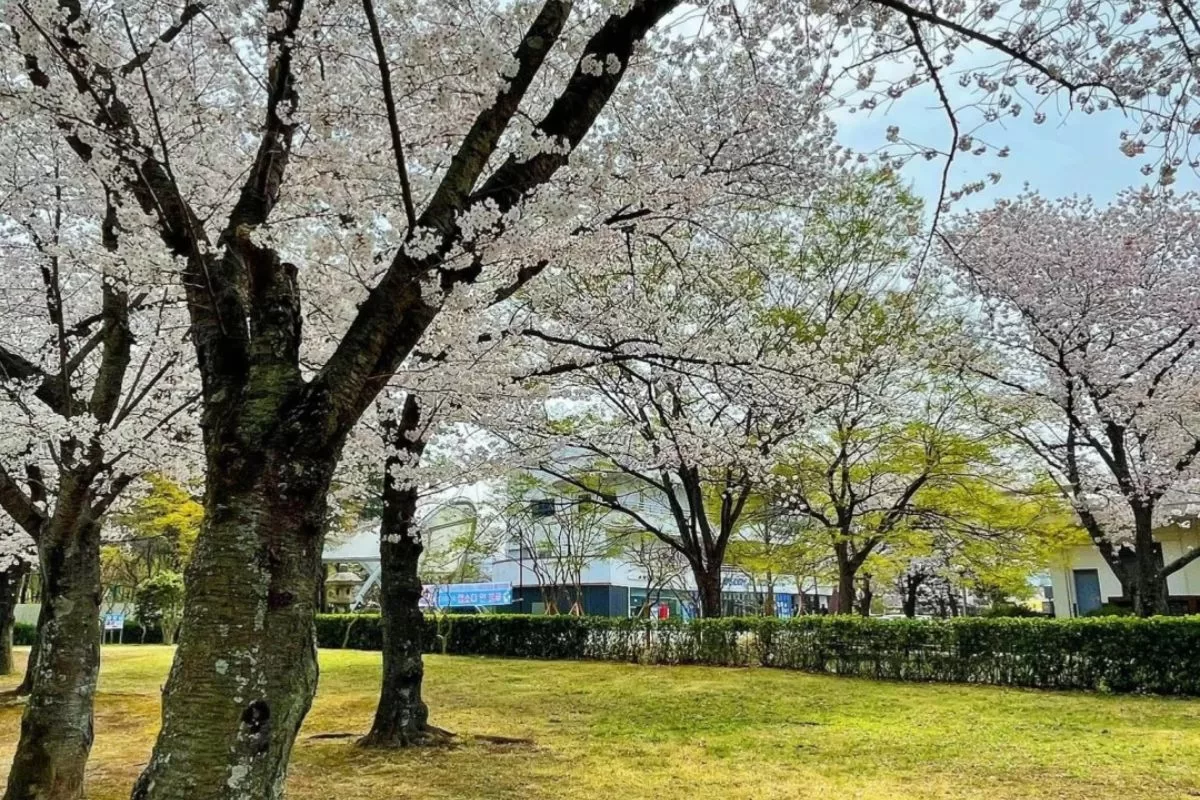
<point x="157" y="533"/>
<point x="159" y="602"/>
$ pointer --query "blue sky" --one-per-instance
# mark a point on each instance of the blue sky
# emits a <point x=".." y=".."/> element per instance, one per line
<point x="1071" y="153"/>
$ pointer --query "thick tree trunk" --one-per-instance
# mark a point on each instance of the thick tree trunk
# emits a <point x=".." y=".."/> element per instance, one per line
<point x="846" y="593"/>
<point x="245" y="670"/>
<point x="56" y="727"/>
<point x="10" y="590"/>
<point x="1148" y="587"/>
<point x="708" y="584"/>
<point x="401" y="717"/>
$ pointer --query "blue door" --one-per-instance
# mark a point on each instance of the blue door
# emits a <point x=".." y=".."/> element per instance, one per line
<point x="1087" y="591"/>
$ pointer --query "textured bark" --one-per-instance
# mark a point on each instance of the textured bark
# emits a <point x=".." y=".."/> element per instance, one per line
<point x="246" y="669"/>
<point x="56" y="727"/>
<point x="10" y="589"/>
<point x="401" y="717"/>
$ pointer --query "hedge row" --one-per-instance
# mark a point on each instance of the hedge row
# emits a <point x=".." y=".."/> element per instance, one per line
<point x="23" y="634"/>
<point x="1159" y="656"/>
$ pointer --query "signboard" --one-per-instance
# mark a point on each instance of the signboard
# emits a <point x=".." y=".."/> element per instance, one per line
<point x="735" y="580"/>
<point x="114" y="623"/>
<point x="466" y="595"/>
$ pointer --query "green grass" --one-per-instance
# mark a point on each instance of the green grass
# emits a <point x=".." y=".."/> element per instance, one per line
<point x="622" y="731"/>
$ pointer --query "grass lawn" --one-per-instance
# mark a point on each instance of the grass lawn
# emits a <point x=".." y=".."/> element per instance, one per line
<point x="615" y="731"/>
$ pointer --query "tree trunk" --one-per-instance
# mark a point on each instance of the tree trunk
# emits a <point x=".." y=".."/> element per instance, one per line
<point x="708" y="585"/>
<point x="245" y="670"/>
<point x="912" y="589"/>
<point x="1148" y="587"/>
<point x="401" y="718"/>
<point x="846" y="594"/>
<point x="865" y="598"/>
<point x="952" y="601"/>
<point x="10" y="590"/>
<point x="56" y="727"/>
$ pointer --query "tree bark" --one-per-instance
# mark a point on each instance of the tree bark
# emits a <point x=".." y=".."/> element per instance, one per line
<point x="1149" y="586"/>
<point x="912" y="589"/>
<point x="401" y="717"/>
<point x="56" y="727"/>
<point x="10" y="590"/>
<point x="708" y="584"/>
<point x="245" y="670"/>
<point x="847" y="571"/>
<point x="866" y="596"/>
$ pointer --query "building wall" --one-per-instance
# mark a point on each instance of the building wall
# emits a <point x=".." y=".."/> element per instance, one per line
<point x="1175" y="542"/>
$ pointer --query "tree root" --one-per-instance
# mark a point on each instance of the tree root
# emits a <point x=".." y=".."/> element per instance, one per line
<point x="427" y="736"/>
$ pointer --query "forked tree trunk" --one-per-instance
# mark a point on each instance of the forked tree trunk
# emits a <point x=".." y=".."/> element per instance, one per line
<point x="56" y="727"/>
<point x="10" y="592"/>
<point x="401" y="717"/>
<point x="245" y="670"/>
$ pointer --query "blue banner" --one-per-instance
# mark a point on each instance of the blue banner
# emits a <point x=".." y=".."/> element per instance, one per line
<point x="466" y="595"/>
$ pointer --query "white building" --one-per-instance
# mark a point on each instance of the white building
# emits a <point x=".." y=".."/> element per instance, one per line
<point x="610" y="581"/>
<point x="1082" y="581"/>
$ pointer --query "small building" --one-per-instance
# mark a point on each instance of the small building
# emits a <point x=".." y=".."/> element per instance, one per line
<point x="1081" y="581"/>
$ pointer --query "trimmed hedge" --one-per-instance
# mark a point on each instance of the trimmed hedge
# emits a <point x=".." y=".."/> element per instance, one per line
<point x="24" y="633"/>
<point x="1158" y="656"/>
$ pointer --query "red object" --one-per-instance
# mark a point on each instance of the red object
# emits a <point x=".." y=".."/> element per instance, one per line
<point x="664" y="611"/>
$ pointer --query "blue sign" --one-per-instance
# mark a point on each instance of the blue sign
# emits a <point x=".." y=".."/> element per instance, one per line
<point x="466" y="595"/>
<point x="114" y="622"/>
<point x="785" y="605"/>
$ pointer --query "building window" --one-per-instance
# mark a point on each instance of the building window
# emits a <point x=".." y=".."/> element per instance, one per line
<point x="542" y="507"/>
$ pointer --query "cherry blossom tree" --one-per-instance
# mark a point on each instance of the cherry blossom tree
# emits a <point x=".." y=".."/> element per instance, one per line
<point x="421" y="160"/>
<point x="701" y="361"/>
<point x="1092" y="313"/>
<point x="93" y="391"/>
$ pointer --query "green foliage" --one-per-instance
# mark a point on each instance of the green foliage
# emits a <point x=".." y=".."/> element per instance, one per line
<point x="1010" y="610"/>
<point x="1160" y="655"/>
<point x="159" y="603"/>
<point x="1111" y="610"/>
<point x="158" y="533"/>
<point x="24" y="634"/>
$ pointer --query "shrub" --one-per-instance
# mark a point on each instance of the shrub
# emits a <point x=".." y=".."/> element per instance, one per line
<point x="1111" y="610"/>
<point x="1011" y="610"/>
<point x="1159" y="655"/>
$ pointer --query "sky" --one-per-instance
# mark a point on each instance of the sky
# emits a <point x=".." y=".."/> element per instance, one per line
<point x="1072" y="153"/>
